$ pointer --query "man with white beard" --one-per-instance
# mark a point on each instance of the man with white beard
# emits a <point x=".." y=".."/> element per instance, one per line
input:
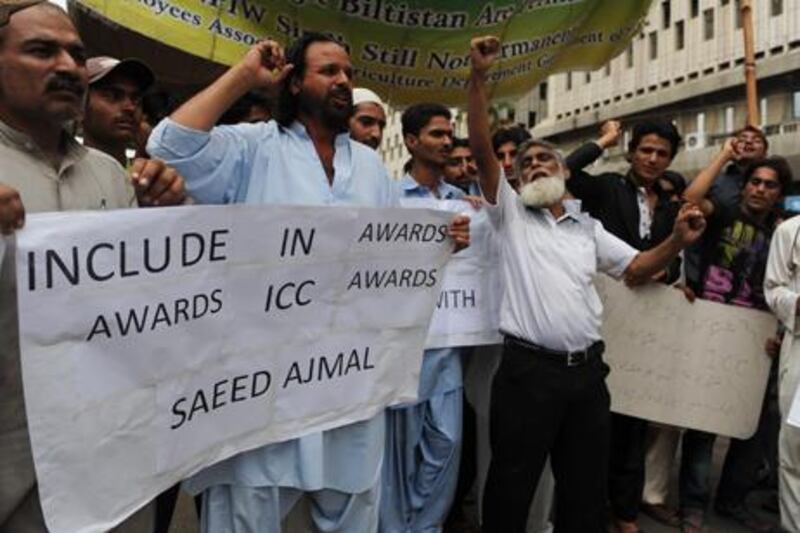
<point x="549" y="397"/>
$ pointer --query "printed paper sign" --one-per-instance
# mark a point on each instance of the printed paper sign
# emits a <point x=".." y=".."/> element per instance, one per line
<point x="157" y="342"/>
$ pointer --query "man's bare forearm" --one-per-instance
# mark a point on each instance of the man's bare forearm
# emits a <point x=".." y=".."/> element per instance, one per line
<point x="648" y="263"/>
<point x="479" y="137"/>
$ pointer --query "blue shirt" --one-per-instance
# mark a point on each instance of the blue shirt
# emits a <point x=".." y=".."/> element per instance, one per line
<point x="268" y="164"/>
<point x="441" y="367"/>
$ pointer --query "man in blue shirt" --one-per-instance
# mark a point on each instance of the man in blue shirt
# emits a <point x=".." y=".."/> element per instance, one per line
<point x="303" y="157"/>
<point x="423" y="439"/>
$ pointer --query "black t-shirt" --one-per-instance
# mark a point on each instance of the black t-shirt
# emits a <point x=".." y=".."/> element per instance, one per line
<point x="734" y="258"/>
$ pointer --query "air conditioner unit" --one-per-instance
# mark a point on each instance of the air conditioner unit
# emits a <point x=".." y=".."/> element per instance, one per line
<point x="696" y="140"/>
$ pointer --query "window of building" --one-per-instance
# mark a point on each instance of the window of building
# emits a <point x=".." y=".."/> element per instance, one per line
<point x="629" y="56"/>
<point x="588" y="78"/>
<point x="708" y="24"/>
<point x="569" y="81"/>
<point x="543" y="91"/>
<point x="724" y="2"/>
<point x="776" y="8"/>
<point x="730" y="119"/>
<point x="653" y="45"/>
<point x="680" y="36"/>
<point x="694" y="7"/>
<point x="796" y="110"/>
<point x="738" y="15"/>
<point x="608" y="69"/>
<point x="666" y="14"/>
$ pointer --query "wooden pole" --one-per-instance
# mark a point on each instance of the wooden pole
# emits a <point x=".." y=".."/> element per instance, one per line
<point x="753" y="118"/>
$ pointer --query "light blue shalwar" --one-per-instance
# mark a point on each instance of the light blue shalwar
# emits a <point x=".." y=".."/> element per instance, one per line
<point x="340" y="468"/>
<point x="423" y="439"/>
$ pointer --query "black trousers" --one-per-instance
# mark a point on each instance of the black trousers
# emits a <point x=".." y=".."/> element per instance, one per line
<point x="540" y="408"/>
<point x="626" y="469"/>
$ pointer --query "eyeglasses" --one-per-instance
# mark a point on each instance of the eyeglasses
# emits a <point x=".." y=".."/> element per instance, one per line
<point x="768" y="184"/>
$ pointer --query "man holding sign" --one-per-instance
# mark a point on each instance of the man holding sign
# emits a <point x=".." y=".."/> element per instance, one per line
<point x="550" y="316"/>
<point x="423" y="440"/>
<point x="43" y="85"/>
<point x="304" y="157"/>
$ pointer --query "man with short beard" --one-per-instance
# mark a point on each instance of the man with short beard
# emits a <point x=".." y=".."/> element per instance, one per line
<point x="549" y="396"/>
<point x="304" y="157"/>
<point x="369" y="118"/>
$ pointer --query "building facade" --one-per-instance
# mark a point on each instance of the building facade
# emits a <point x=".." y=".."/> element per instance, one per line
<point x="686" y="65"/>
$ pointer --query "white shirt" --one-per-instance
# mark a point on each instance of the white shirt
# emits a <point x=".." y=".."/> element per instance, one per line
<point x="266" y="164"/>
<point x="645" y="215"/>
<point x="548" y="267"/>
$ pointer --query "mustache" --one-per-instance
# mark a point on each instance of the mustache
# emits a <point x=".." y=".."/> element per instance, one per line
<point x="65" y="82"/>
<point x="342" y="93"/>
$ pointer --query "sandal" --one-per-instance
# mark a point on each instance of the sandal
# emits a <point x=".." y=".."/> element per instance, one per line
<point x="663" y="514"/>
<point x="692" y="521"/>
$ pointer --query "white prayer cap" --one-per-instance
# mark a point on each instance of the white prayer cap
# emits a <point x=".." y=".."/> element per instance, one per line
<point x="365" y="96"/>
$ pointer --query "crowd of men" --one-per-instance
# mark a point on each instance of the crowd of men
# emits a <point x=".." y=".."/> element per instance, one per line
<point x="288" y="127"/>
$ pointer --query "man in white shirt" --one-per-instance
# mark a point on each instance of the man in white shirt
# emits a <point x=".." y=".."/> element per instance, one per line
<point x="551" y="317"/>
<point x="782" y="291"/>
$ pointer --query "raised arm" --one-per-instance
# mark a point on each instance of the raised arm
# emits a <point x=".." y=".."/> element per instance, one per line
<point x="262" y="68"/>
<point x="588" y="153"/>
<point x="590" y="189"/>
<point x="483" y="51"/>
<point x="698" y="189"/>
<point x="689" y="225"/>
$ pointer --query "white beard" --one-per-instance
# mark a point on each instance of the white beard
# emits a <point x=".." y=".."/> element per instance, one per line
<point x="543" y="192"/>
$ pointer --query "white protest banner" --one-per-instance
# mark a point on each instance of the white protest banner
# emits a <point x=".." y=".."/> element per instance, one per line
<point x="468" y="308"/>
<point x="157" y="342"/>
<point x="700" y="365"/>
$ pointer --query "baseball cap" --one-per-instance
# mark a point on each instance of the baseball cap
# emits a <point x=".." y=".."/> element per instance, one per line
<point x="102" y="66"/>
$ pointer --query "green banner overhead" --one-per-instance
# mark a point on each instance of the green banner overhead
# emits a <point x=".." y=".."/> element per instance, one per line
<point x="406" y="50"/>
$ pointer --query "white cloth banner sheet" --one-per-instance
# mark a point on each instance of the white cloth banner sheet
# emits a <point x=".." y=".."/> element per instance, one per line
<point x="468" y="307"/>
<point x="157" y="342"/>
<point x="698" y="365"/>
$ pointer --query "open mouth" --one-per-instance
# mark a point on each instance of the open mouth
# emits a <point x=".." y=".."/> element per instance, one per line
<point x="341" y="100"/>
<point x="539" y="174"/>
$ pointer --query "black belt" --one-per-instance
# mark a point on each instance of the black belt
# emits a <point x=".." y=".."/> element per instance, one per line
<point x="576" y="358"/>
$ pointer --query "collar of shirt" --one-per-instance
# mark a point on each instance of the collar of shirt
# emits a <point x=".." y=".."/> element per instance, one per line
<point x="410" y="187"/>
<point x="572" y="211"/>
<point x="342" y="157"/>
<point x="73" y="150"/>
<point x="299" y="129"/>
